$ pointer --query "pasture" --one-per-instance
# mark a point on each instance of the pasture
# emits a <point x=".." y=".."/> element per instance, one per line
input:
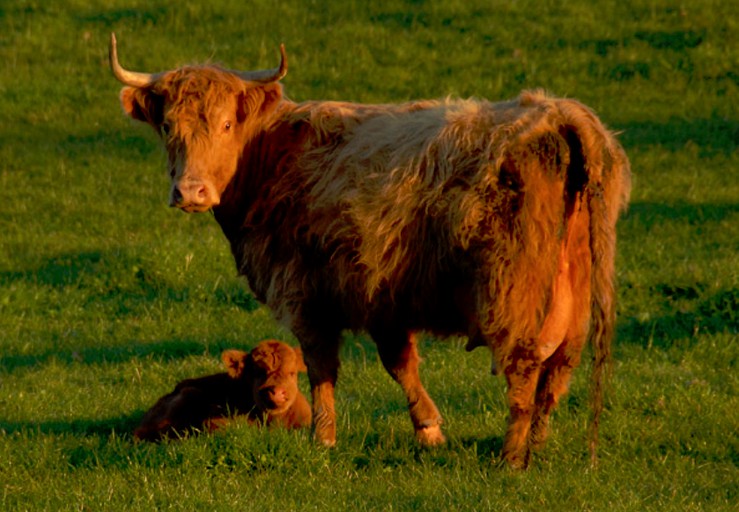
<point x="108" y="297"/>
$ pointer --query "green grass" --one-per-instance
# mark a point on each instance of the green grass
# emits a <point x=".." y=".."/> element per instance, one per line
<point x="108" y="297"/>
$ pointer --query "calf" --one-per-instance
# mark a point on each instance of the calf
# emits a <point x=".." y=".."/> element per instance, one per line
<point x="261" y="384"/>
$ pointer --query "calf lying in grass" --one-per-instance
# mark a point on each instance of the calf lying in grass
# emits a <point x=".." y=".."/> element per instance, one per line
<point x="261" y="384"/>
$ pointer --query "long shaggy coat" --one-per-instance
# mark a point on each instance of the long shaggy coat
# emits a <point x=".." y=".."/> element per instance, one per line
<point x="492" y="220"/>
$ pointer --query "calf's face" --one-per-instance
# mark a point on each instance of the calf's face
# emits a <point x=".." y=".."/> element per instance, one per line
<point x="271" y="371"/>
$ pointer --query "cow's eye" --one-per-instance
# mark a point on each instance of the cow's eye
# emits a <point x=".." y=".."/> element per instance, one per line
<point x="227" y="126"/>
<point x="165" y="128"/>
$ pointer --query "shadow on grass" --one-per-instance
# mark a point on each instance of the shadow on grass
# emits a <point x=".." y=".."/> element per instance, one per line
<point x="117" y="285"/>
<point x="685" y="313"/>
<point x="678" y="40"/>
<point x="393" y="451"/>
<point x="96" y="444"/>
<point x="645" y="214"/>
<point x="115" y="277"/>
<point x="111" y="18"/>
<point x="712" y="135"/>
<point x="60" y="271"/>
<point x="682" y="309"/>
<point x="486" y="448"/>
<point x="163" y="350"/>
<point x="122" y="426"/>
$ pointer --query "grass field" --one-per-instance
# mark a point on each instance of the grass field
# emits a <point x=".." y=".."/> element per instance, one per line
<point x="108" y="297"/>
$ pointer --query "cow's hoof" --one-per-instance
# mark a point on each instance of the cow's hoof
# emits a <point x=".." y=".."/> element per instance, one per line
<point x="324" y="439"/>
<point x="430" y="436"/>
<point x="517" y="461"/>
<point x="328" y="443"/>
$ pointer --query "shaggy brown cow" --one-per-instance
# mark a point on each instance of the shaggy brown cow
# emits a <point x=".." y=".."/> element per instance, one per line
<point x="492" y="220"/>
<point x="261" y="384"/>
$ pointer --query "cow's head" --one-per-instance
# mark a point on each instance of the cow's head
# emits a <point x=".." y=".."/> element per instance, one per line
<point x="205" y="116"/>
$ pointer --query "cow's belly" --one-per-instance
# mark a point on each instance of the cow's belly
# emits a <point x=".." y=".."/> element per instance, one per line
<point x="444" y="309"/>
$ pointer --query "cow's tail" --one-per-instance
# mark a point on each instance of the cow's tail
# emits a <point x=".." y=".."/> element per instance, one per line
<point x="599" y="170"/>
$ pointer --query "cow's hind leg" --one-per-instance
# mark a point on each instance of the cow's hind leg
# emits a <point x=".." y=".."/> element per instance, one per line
<point x="553" y="384"/>
<point x="572" y="291"/>
<point x="399" y="354"/>
<point x="522" y="371"/>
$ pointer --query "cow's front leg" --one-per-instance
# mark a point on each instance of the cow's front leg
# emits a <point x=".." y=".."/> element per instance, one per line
<point x="399" y="355"/>
<point x="522" y="370"/>
<point x="321" y="354"/>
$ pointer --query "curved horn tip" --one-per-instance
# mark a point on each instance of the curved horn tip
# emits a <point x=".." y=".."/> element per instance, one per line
<point x="130" y="78"/>
<point x="283" y="61"/>
<point x="112" y="48"/>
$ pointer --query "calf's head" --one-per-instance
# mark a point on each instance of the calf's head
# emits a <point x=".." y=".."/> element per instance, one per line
<point x="271" y="371"/>
<point x="205" y="115"/>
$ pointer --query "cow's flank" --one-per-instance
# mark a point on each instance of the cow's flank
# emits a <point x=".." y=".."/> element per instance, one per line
<point x="492" y="220"/>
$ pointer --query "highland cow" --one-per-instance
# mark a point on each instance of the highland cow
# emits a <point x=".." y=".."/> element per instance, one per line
<point x="496" y="221"/>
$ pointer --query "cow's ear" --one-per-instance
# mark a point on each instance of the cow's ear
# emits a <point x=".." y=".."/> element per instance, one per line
<point x="259" y="101"/>
<point x="301" y="361"/>
<point x="235" y="362"/>
<point x="272" y="96"/>
<point x="143" y="105"/>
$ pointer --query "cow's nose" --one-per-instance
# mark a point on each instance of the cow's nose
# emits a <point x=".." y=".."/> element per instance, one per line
<point x="176" y="197"/>
<point x="201" y="194"/>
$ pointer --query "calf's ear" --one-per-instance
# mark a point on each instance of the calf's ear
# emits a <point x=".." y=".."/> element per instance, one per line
<point x="235" y="362"/>
<point x="143" y="105"/>
<point x="301" y="361"/>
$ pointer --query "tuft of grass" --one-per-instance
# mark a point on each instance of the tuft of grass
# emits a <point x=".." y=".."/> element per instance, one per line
<point x="108" y="298"/>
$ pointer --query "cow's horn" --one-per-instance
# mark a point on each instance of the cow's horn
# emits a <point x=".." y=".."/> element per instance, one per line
<point x="131" y="78"/>
<point x="266" y="76"/>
